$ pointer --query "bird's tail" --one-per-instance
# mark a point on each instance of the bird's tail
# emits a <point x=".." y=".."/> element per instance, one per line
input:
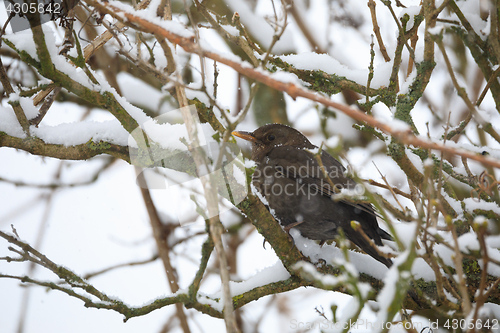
<point x="367" y="246"/>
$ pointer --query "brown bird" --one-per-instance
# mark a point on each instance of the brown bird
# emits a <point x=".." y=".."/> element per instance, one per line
<point x="299" y="189"/>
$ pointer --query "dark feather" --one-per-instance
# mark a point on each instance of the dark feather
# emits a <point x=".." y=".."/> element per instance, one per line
<point x="299" y="189"/>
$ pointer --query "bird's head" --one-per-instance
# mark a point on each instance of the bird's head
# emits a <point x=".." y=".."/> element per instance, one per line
<point x="267" y="137"/>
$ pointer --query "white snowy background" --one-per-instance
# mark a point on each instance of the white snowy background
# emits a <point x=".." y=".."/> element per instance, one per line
<point x="91" y="227"/>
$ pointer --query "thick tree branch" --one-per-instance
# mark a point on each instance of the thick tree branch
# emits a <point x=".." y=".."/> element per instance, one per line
<point x="84" y="151"/>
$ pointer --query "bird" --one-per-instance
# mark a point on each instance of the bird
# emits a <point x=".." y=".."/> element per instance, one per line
<point x="298" y="182"/>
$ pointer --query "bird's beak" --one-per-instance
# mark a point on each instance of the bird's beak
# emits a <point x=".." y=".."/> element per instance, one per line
<point x="244" y="135"/>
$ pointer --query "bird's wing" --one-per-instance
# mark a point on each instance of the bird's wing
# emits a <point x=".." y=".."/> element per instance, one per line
<point x="303" y="166"/>
<point x="330" y="163"/>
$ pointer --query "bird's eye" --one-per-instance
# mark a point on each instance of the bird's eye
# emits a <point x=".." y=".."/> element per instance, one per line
<point x="271" y="137"/>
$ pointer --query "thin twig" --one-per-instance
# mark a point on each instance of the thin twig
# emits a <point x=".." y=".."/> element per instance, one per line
<point x="46" y="106"/>
<point x="315" y="45"/>
<point x="243" y="43"/>
<point x="232" y="125"/>
<point x="370" y="71"/>
<point x="400" y="27"/>
<point x="462" y="284"/>
<point x="161" y="243"/>
<point x="387" y="186"/>
<point x="209" y="187"/>
<point x="376" y="30"/>
<point x="18" y="110"/>
<point x="462" y="93"/>
<point x="392" y="189"/>
<point x="276" y="38"/>
<point x="480" y="298"/>
<point x="493" y="77"/>
<point x="108" y="269"/>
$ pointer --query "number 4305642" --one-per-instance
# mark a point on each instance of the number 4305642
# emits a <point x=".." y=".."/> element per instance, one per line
<point x="469" y="324"/>
<point x="32" y="8"/>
